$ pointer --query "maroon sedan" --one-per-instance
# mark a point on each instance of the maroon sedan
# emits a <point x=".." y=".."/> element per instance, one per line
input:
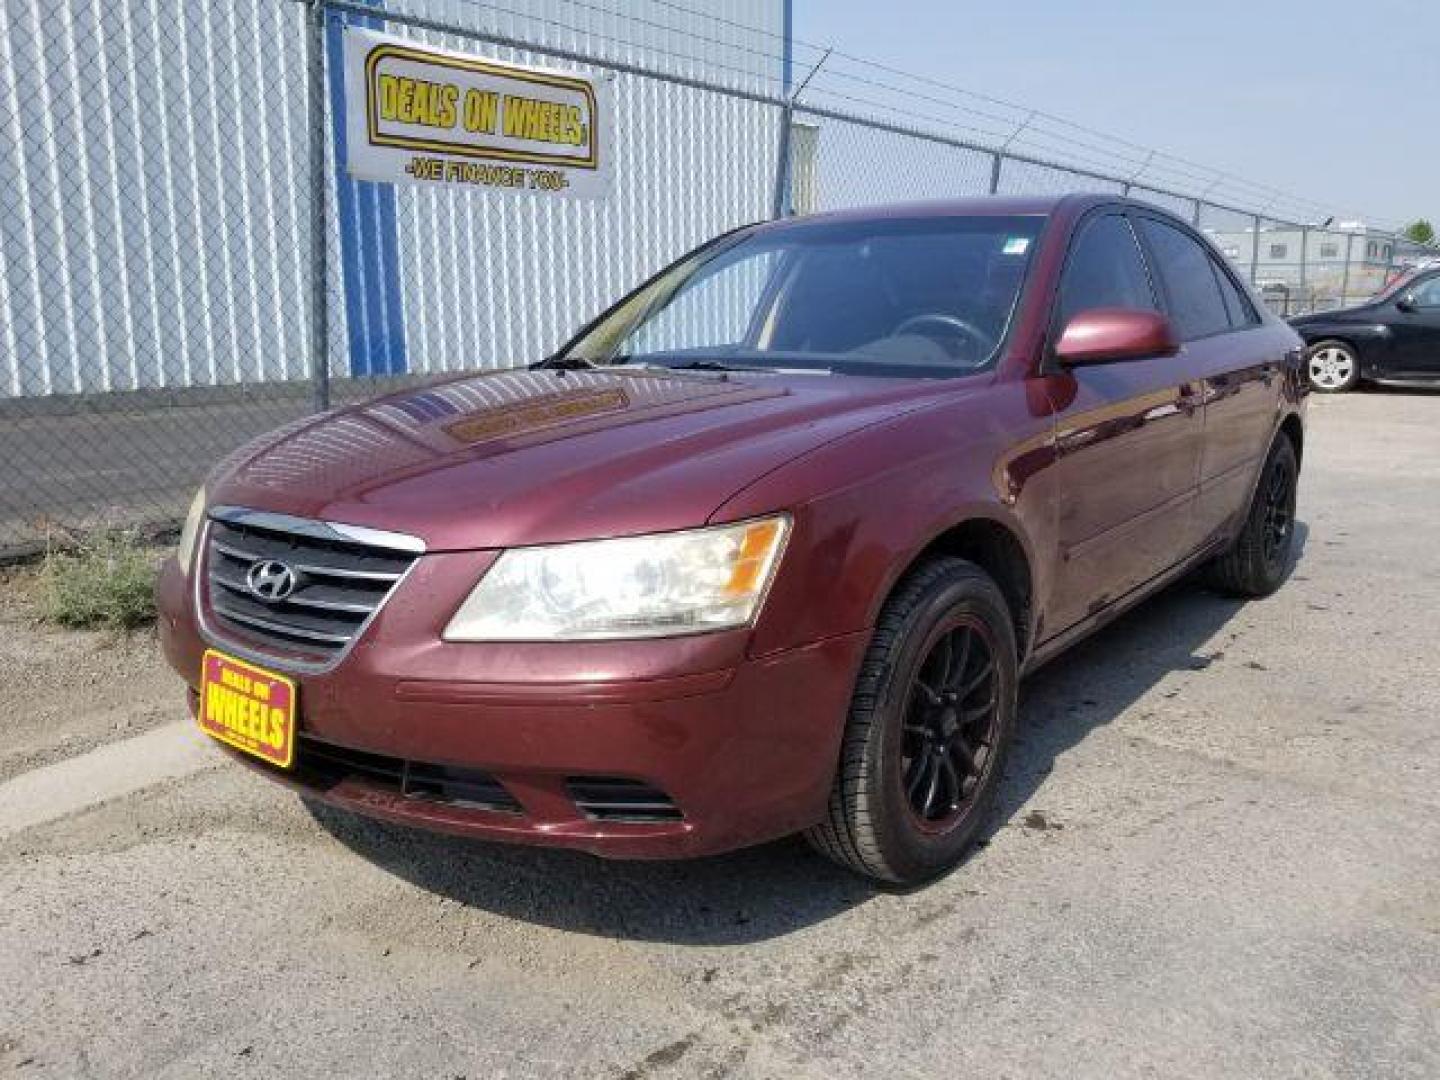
<point x="764" y="549"/>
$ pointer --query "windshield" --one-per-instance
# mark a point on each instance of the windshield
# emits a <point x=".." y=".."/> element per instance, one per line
<point x="925" y="297"/>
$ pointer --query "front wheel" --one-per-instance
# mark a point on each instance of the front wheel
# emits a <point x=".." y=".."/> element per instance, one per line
<point x="1333" y="367"/>
<point x="1256" y="562"/>
<point x="932" y="715"/>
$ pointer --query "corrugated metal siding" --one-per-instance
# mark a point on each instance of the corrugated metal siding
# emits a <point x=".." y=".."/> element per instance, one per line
<point x="495" y="281"/>
<point x="152" y="210"/>
<point x="154" y="190"/>
<point x="150" y="241"/>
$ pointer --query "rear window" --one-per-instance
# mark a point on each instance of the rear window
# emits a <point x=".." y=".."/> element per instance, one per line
<point x="1240" y="310"/>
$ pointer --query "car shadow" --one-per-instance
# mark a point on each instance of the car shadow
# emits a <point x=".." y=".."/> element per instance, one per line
<point x="1089" y="685"/>
<point x="778" y="888"/>
<point x="1406" y="390"/>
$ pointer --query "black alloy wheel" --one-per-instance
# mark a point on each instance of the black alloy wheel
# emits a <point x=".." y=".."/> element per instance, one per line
<point x="1258" y="559"/>
<point x="1279" y="510"/>
<point x="951" y="725"/>
<point x="923" y="750"/>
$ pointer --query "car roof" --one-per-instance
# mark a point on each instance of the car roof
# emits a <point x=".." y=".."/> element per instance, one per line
<point x="980" y="206"/>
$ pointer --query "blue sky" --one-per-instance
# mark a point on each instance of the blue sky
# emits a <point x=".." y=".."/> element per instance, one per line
<point x="1336" y="102"/>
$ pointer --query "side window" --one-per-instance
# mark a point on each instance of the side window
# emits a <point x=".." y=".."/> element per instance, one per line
<point x="1427" y="293"/>
<point x="1240" y="310"/>
<point x="1105" y="269"/>
<point x="1196" y="305"/>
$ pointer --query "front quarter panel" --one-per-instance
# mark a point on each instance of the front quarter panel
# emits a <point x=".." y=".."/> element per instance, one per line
<point x="867" y="506"/>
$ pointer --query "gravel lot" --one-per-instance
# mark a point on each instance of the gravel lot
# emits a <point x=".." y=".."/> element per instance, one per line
<point x="1218" y="855"/>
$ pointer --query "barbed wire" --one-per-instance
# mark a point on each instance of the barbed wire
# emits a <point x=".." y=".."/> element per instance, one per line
<point x="1041" y="132"/>
<point x="125" y="314"/>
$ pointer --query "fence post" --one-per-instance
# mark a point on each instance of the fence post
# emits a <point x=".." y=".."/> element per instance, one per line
<point x="784" y="200"/>
<point x="1255" y="253"/>
<point x="1345" y="277"/>
<point x="995" y="173"/>
<point x="1304" y="254"/>
<point x="319" y="225"/>
<point x="1195" y="214"/>
<point x="781" y="201"/>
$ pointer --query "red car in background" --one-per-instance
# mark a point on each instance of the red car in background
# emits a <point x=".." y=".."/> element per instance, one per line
<point x="764" y="549"/>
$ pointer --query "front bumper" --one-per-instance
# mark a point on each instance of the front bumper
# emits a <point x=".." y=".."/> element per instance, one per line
<point x="745" y="747"/>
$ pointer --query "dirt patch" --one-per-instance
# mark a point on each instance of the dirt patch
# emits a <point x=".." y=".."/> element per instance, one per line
<point x="63" y="692"/>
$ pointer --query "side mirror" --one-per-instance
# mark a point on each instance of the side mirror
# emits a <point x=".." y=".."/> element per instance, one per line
<point x="1105" y="335"/>
<point x="1406" y="302"/>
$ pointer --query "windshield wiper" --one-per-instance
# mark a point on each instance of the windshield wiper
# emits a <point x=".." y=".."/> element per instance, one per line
<point x="756" y="369"/>
<point x="707" y="365"/>
<point x="626" y="361"/>
<point x="618" y="364"/>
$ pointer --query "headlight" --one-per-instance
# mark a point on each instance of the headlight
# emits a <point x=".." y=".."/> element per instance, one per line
<point x="632" y="587"/>
<point x="190" y="532"/>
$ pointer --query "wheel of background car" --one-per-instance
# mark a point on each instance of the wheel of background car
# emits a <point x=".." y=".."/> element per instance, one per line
<point x="1333" y="367"/>
<point x="929" y="724"/>
<point x="952" y="326"/>
<point x="1256" y="563"/>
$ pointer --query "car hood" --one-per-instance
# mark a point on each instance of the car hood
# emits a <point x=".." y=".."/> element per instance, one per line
<point x="544" y="456"/>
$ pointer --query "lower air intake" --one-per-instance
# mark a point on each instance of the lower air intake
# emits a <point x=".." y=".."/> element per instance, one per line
<point x="327" y="764"/>
<point x="614" y="798"/>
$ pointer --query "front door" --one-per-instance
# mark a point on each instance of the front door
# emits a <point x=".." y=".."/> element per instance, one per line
<point x="1417" y="331"/>
<point x="1128" y="440"/>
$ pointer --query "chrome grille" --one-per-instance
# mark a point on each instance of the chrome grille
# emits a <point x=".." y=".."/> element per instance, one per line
<point x="339" y="581"/>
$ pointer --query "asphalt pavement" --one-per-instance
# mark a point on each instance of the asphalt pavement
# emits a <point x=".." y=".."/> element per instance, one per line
<point x="1217" y="855"/>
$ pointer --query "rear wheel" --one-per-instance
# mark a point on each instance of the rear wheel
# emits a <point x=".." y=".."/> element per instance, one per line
<point x="929" y="724"/>
<point x="1333" y="367"/>
<point x="1256" y="562"/>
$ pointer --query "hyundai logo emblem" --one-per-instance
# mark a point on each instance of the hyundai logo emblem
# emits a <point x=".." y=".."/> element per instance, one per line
<point x="271" y="580"/>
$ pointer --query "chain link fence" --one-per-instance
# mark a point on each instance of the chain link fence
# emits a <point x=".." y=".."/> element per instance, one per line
<point x="186" y="263"/>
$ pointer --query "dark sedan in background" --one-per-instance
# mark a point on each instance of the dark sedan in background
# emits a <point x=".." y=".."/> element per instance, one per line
<point x="1393" y="338"/>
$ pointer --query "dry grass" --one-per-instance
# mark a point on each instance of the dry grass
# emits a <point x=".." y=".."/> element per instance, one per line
<point x="107" y="582"/>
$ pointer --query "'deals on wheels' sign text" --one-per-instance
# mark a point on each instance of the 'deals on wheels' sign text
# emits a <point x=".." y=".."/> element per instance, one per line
<point x="428" y="116"/>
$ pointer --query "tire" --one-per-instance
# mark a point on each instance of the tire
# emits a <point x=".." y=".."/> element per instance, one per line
<point x="1256" y="563"/>
<point x="930" y="643"/>
<point x="1333" y="367"/>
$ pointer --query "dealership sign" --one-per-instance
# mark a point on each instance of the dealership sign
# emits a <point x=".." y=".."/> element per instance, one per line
<point x="429" y="116"/>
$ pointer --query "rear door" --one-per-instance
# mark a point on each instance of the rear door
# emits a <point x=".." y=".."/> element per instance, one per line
<point x="1128" y="437"/>
<point x="1417" y="332"/>
<point x="1238" y="363"/>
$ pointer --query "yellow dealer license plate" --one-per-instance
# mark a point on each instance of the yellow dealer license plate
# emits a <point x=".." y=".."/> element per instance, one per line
<point x="248" y="707"/>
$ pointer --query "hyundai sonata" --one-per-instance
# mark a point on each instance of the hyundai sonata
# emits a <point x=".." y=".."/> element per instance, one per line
<point x="764" y="549"/>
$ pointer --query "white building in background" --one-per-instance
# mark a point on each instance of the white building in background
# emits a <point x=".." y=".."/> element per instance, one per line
<point x="1305" y="266"/>
<point x="155" y="192"/>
